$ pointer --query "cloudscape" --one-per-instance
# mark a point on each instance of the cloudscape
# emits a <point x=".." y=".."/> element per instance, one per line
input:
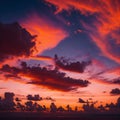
<point x="60" y="56"/>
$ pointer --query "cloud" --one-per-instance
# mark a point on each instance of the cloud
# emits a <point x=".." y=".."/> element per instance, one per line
<point x="38" y="98"/>
<point x="64" y="63"/>
<point x="71" y="66"/>
<point x="115" y="91"/>
<point x="49" y="98"/>
<point x="116" y="81"/>
<point x="104" y="80"/>
<point x="49" y="35"/>
<point x="34" y="98"/>
<point x="81" y="100"/>
<point x="52" y="79"/>
<point x="15" y="41"/>
<point x="115" y="70"/>
<point x="41" y="57"/>
<point x="107" y="76"/>
<point x="83" y="6"/>
<point x="10" y="72"/>
<point x="104" y="29"/>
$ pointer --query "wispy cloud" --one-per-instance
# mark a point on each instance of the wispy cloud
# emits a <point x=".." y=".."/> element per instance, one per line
<point x="49" y="35"/>
<point x="104" y="30"/>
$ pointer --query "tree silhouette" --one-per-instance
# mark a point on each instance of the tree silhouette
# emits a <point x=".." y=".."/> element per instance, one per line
<point x="44" y="108"/>
<point x="60" y="109"/>
<point x="29" y="106"/>
<point x="89" y="107"/>
<point x="7" y="104"/>
<point x="0" y="103"/>
<point x="39" y="108"/>
<point x="20" y="107"/>
<point x="118" y="103"/>
<point x="53" y="107"/>
<point x="76" y="109"/>
<point x="69" y="109"/>
<point x="101" y="108"/>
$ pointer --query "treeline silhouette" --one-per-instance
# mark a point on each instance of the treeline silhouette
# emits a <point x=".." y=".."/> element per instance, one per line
<point x="11" y="104"/>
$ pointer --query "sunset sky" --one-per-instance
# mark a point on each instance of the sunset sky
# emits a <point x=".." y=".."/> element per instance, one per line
<point x="63" y="49"/>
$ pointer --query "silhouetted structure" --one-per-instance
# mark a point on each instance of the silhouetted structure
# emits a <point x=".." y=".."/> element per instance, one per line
<point x="69" y="109"/>
<point x="53" y="107"/>
<point x="89" y="107"/>
<point x="60" y="109"/>
<point x="8" y="104"/>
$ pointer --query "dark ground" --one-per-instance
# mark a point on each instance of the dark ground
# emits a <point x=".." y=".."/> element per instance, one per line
<point x="57" y="116"/>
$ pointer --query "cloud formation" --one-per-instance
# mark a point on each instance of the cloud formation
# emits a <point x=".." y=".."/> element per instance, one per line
<point x="48" y="34"/>
<point x="116" y="81"/>
<point x="49" y="98"/>
<point x="71" y="66"/>
<point x="52" y="79"/>
<point x="64" y="63"/>
<point x="115" y="91"/>
<point x="15" y="41"/>
<point x="34" y="98"/>
<point x="115" y="70"/>
<point x="104" y="30"/>
<point x="81" y="100"/>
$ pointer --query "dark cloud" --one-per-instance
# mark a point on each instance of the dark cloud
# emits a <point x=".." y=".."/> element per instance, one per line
<point x="80" y="100"/>
<point x="12" y="76"/>
<point x="89" y="101"/>
<point x="17" y="99"/>
<point x="52" y="79"/>
<point x="115" y="91"/>
<point x="10" y="72"/>
<point x="65" y="64"/>
<point x="49" y="98"/>
<point x="117" y="81"/>
<point x="34" y="98"/>
<point x="15" y="41"/>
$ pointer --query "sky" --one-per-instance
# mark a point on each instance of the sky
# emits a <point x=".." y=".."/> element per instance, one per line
<point x="64" y="49"/>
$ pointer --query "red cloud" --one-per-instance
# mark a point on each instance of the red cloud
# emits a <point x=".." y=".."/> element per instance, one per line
<point x="115" y="71"/>
<point x="48" y="34"/>
<point x="105" y="30"/>
<point x="52" y="79"/>
<point x="85" y="6"/>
